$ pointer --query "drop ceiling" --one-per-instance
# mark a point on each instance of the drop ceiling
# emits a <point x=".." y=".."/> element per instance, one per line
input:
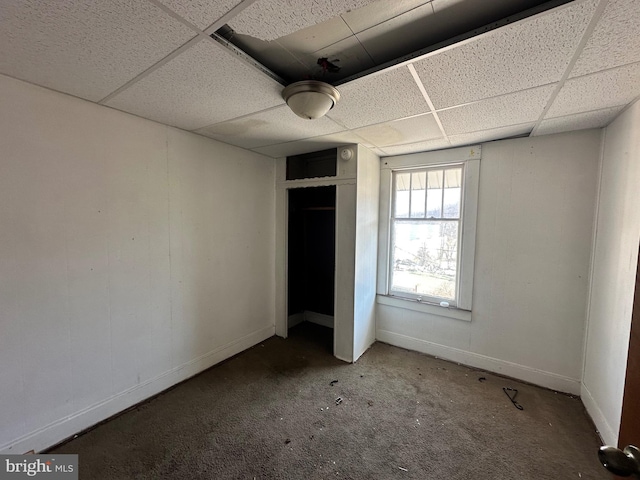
<point x="414" y="75"/>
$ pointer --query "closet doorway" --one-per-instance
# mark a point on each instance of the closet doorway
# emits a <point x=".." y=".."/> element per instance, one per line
<point x="311" y="248"/>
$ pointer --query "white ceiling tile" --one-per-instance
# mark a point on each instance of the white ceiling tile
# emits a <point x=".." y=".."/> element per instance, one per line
<point x="436" y="144"/>
<point x="378" y="12"/>
<point x="377" y="151"/>
<point x="202" y="13"/>
<point x="512" y="109"/>
<point x="275" y="126"/>
<point x="581" y="121"/>
<point x="615" y="40"/>
<point x="379" y="98"/>
<point x="490" y="135"/>
<point x="312" y="39"/>
<point x="532" y="52"/>
<point x="348" y="54"/>
<point x="598" y="90"/>
<point x="309" y="145"/>
<point x="408" y="130"/>
<point x="201" y="86"/>
<point x="385" y="43"/>
<point x="271" y="19"/>
<point x="87" y="49"/>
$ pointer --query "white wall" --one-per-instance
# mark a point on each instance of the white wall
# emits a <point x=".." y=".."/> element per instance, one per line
<point x="344" y="301"/>
<point x="614" y="272"/>
<point x="534" y="234"/>
<point x="123" y="244"/>
<point x="367" y="196"/>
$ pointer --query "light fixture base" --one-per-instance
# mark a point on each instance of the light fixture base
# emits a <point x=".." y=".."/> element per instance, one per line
<point x="310" y="99"/>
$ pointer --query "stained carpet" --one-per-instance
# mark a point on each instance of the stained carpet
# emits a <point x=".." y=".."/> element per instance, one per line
<point x="287" y="409"/>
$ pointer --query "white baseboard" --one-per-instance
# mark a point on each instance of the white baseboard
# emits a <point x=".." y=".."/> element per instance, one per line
<point x="319" y="318"/>
<point x="531" y="375"/>
<point x="66" y="427"/>
<point x="607" y="434"/>
<point x="295" y="319"/>
<point x="343" y="359"/>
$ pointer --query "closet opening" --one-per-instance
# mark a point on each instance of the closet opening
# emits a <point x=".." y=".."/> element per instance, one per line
<point x="311" y="263"/>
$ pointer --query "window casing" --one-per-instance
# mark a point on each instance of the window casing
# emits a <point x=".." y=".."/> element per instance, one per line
<point x="428" y="210"/>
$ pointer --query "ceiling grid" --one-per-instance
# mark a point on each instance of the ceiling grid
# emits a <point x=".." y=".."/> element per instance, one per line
<point x="272" y="19"/>
<point x="578" y="51"/>
<point x="611" y="87"/>
<point x="569" y="65"/>
<point x="427" y="98"/>
<point x="199" y="87"/>
<point x="614" y="42"/>
<point x="151" y="69"/>
<point x="592" y="119"/>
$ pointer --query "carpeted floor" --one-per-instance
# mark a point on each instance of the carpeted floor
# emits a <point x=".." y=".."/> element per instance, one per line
<point x="271" y="412"/>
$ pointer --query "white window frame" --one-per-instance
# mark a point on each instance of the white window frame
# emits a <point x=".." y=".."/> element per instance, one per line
<point x="469" y="158"/>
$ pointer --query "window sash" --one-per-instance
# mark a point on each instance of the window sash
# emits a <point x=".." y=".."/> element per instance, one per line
<point x="424" y="297"/>
<point x="427" y="220"/>
<point x="406" y="178"/>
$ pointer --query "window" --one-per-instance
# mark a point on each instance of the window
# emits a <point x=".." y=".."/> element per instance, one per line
<point x="428" y="244"/>
<point x="425" y="233"/>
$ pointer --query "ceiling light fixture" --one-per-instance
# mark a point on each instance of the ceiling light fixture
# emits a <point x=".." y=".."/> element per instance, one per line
<point x="310" y="99"/>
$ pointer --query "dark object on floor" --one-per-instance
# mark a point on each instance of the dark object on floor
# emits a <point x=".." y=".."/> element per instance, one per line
<point x="481" y="379"/>
<point x="623" y="463"/>
<point x="338" y="400"/>
<point x="333" y="382"/>
<point x="225" y="423"/>
<point x="506" y="390"/>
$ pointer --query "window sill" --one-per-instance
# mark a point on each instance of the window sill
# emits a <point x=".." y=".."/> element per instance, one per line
<point x="408" y="304"/>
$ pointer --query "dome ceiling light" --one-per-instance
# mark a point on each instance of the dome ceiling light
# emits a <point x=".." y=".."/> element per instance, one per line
<point x="310" y="99"/>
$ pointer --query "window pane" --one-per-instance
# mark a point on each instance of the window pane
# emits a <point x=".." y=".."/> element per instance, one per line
<point x="452" y="190"/>
<point x="434" y="194"/>
<point x="403" y="183"/>
<point x="425" y="258"/>
<point x="418" y="181"/>
<point x="451" y="203"/>
<point x="453" y="178"/>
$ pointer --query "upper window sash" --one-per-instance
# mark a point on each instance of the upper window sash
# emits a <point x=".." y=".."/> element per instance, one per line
<point x="428" y="193"/>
